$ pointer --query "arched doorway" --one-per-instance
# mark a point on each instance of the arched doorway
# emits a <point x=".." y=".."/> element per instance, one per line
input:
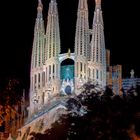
<point x="67" y="76"/>
<point x="67" y="69"/>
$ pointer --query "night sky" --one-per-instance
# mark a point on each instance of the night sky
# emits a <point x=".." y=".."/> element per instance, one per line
<point x="121" y="27"/>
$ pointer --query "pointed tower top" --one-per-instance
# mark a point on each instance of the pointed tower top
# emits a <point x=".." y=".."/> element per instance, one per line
<point x="53" y="0"/>
<point x="82" y="4"/>
<point x="98" y="2"/>
<point x="69" y="51"/>
<point x="132" y="73"/>
<point x="40" y="5"/>
<point x="53" y="7"/>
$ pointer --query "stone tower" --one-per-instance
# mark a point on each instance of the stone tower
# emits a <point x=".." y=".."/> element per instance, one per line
<point x="49" y="77"/>
<point x="52" y="50"/>
<point x="81" y="45"/>
<point x="97" y="63"/>
<point x="37" y="60"/>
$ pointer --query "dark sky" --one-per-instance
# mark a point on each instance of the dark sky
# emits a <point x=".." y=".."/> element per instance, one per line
<point x="121" y="27"/>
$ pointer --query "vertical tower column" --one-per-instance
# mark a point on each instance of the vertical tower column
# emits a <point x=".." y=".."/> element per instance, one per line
<point x="53" y="49"/>
<point x="37" y="60"/>
<point x="81" y="44"/>
<point x="98" y="53"/>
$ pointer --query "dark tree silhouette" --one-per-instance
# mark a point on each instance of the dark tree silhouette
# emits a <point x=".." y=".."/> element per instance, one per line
<point x="109" y="119"/>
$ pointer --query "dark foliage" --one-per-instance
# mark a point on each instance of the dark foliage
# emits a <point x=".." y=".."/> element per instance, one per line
<point x="107" y="119"/>
<point x="12" y="93"/>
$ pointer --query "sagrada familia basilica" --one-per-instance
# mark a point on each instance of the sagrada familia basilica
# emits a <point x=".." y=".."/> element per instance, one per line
<point x="49" y="76"/>
<point x="55" y="75"/>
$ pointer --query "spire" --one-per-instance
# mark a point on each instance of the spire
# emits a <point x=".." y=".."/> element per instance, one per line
<point x="132" y="73"/>
<point x="52" y="31"/>
<point x="38" y="42"/>
<point x="53" y="1"/>
<point x="98" y="2"/>
<point x="82" y="29"/>
<point x="69" y="52"/>
<point x="98" y="52"/>
<point x="83" y="5"/>
<point x="97" y="33"/>
<point x="53" y="7"/>
<point x="39" y="9"/>
<point x="40" y="5"/>
<point x="81" y="39"/>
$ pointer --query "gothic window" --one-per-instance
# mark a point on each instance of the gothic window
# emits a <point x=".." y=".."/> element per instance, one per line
<point x="43" y="79"/>
<point x="35" y="78"/>
<point x="101" y="75"/>
<point x="49" y="71"/>
<point x="84" y="68"/>
<point x="43" y="96"/>
<point x="81" y="66"/>
<point x="38" y="80"/>
<point x="38" y="77"/>
<point x="35" y="82"/>
<point x="53" y="70"/>
<point x="97" y="74"/>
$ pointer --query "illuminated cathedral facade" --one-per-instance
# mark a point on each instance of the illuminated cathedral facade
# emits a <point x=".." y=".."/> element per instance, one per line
<point x="52" y="73"/>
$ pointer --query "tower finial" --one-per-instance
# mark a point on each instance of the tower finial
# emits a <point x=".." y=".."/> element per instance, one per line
<point x="39" y="2"/>
<point x="53" y="0"/>
<point x="40" y="5"/>
<point x="132" y="73"/>
<point x="98" y="2"/>
<point x="69" y="52"/>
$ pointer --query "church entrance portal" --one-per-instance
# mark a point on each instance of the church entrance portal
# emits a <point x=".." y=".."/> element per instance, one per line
<point x="67" y="76"/>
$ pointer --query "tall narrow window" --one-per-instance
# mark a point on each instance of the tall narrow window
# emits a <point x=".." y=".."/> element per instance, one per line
<point x="35" y="78"/>
<point x="97" y="74"/>
<point x="84" y="68"/>
<point x="49" y="69"/>
<point x="46" y="74"/>
<point x="77" y="68"/>
<point x="43" y="96"/>
<point x="53" y="70"/>
<point x="38" y="80"/>
<point x="43" y="79"/>
<point x="38" y="77"/>
<point x="81" y="66"/>
<point x="49" y="72"/>
<point x="35" y="82"/>
<point x="101" y="75"/>
<point x="56" y="69"/>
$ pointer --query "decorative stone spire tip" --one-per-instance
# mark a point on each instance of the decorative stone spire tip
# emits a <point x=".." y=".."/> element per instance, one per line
<point x="69" y="52"/>
<point x="40" y="5"/>
<point x="98" y="2"/>
<point x="53" y="0"/>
